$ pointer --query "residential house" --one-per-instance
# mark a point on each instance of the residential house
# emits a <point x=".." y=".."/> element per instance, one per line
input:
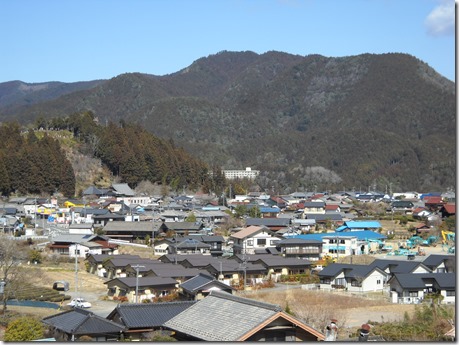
<point x="277" y="266"/>
<point x="409" y="288"/>
<point x="105" y="216"/>
<point x="199" y="286"/>
<point x="148" y="288"/>
<point x="225" y="317"/>
<point x="398" y="266"/>
<point x="81" y="215"/>
<point x="81" y="245"/>
<point x="237" y="274"/>
<point x="421" y="228"/>
<point x="304" y="225"/>
<point x="176" y="272"/>
<point x="314" y="207"/>
<point x="171" y="216"/>
<point x="441" y="263"/>
<point x="215" y="242"/>
<point x="253" y="237"/>
<point x="269" y="212"/>
<point x="161" y="247"/>
<point x="421" y="212"/>
<point x="116" y="266"/>
<point x="448" y="210"/>
<point x="402" y="206"/>
<point x="360" y="225"/>
<point x="433" y="202"/>
<point x="180" y="228"/>
<point x="71" y="325"/>
<point x="300" y="248"/>
<point x="95" y="262"/>
<point x="336" y="245"/>
<point x="189" y="245"/>
<point x="332" y="208"/>
<point x="122" y="190"/>
<point x="93" y="192"/>
<point x="273" y="224"/>
<point x="353" y="278"/>
<point x="130" y="231"/>
<point x="140" y="319"/>
<point x="323" y="219"/>
<point x="81" y="229"/>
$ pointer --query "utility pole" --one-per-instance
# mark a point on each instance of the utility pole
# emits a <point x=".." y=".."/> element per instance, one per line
<point x="137" y="282"/>
<point x="76" y="270"/>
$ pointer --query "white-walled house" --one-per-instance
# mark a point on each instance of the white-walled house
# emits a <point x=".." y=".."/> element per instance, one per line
<point x="407" y="288"/>
<point x="336" y="246"/>
<point x="352" y="278"/>
<point x="253" y="237"/>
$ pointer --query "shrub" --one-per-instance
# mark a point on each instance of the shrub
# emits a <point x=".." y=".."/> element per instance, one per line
<point x="24" y="329"/>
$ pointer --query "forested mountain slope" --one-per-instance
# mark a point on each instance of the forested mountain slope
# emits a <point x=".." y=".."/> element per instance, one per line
<point x="367" y="119"/>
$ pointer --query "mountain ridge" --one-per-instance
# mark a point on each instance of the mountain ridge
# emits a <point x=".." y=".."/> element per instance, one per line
<point x="277" y="111"/>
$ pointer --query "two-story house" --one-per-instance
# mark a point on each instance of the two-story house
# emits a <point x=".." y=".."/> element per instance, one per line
<point x="253" y="237"/>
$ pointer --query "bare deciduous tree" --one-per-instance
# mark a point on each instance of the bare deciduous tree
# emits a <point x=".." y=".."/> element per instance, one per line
<point x="10" y="266"/>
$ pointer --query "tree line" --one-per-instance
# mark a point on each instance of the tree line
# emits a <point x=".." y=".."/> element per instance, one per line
<point x="33" y="162"/>
<point x="29" y="165"/>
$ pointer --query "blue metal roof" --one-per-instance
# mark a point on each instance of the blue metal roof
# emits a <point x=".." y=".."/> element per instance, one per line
<point x="269" y="210"/>
<point x="361" y="224"/>
<point x="361" y="235"/>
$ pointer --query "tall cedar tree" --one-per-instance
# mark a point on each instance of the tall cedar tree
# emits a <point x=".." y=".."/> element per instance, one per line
<point x="33" y="166"/>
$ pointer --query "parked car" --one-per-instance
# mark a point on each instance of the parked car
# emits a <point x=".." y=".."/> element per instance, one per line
<point x="79" y="303"/>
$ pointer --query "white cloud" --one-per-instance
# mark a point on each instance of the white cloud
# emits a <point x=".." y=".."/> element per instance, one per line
<point x="440" y="21"/>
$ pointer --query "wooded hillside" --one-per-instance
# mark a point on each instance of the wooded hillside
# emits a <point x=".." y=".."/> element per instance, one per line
<point x="366" y="120"/>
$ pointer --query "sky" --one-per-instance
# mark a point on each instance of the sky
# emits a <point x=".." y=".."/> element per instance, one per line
<point x="82" y="40"/>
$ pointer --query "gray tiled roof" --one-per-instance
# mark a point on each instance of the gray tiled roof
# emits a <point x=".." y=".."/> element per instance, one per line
<point x="279" y="261"/>
<point x="79" y="321"/>
<point x="397" y="266"/>
<point x="434" y="260"/>
<point x="325" y="216"/>
<point x="222" y="317"/>
<point x="131" y="282"/>
<point x="418" y="281"/>
<point x="129" y="226"/>
<point x="123" y="189"/>
<point x="173" y="271"/>
<point x="298" y="241"/>
<point x="146" y="315"/>
<point x="350" y="270"/>
<point x="196" y="282"/>
<point x="124" y="261"/>
<point x="102" y="257"/>
<point x="268" y="221"/>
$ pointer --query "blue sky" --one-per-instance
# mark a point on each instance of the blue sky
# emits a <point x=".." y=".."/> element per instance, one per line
<point x="80" y="40"/>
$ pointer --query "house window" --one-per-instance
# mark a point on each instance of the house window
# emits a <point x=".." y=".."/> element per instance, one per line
<point x="261" y="242"/>
<point x="356" y="283"/>
<point x="378" y="281"/>
<point x="340" y="281"/>
<point x="250" y="242"/>
<point x="413" y="294"/>
<point x="450" y="293"/>
<point x="275" y="336"/>
<point x="325" y="281"/>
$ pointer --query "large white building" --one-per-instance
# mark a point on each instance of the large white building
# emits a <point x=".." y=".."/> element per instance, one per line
<point x="247" y="173"/>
